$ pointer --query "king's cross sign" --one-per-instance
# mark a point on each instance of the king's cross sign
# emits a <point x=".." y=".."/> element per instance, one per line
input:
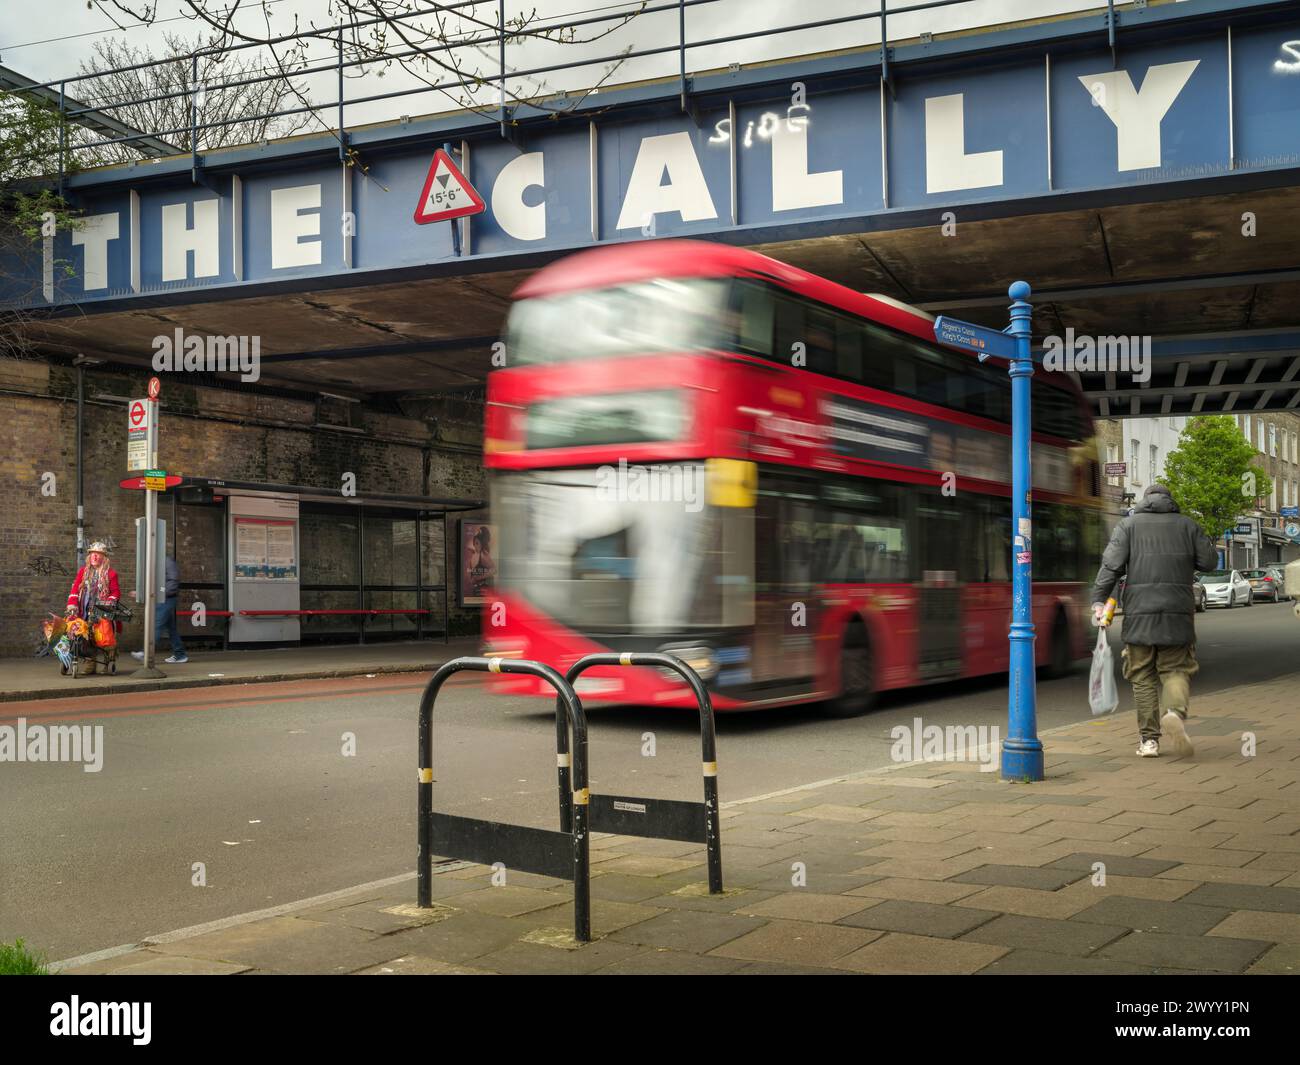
<point x="447" y="193"/>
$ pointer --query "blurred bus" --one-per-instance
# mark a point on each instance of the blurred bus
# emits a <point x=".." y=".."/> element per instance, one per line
<point x="697" y="449"/>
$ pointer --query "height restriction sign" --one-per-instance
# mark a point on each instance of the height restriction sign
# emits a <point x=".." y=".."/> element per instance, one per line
<point x="139" y="413"/>
<point x="447" y="193"/>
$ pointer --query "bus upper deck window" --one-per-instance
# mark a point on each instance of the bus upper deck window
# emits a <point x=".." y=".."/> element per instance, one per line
<point x="757" y="311"/>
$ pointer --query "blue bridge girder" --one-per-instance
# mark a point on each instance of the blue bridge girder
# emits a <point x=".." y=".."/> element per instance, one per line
<point x="1119" y="153"/>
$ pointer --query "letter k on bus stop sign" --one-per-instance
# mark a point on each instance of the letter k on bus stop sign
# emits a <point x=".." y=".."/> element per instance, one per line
<point x="447" y="193"/>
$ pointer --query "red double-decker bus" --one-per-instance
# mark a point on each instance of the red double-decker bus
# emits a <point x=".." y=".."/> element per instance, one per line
<point x="698" y="449"/>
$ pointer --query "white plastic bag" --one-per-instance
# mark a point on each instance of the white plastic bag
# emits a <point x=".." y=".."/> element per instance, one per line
<point x="1103" y="695"/>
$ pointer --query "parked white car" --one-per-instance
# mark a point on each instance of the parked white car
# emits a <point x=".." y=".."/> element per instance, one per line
<point x="1226" y="587"/>
<point x="1293" y="583"/>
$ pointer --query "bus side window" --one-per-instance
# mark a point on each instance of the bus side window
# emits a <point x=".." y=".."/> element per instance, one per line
<point x="997" y="538"/>
<point x="878" y="360"/>
<point x="904" y="374"/>
<point x="970" y="547"/>
<point x="790" y="330"/>
<point x="819" y="327"/>
<point x="848" y="348"/>
<point x="757" y="310"/>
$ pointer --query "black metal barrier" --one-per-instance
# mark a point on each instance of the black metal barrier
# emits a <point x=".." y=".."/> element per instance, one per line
<point x="691" y="822"/>
<point x="564" y="854"/>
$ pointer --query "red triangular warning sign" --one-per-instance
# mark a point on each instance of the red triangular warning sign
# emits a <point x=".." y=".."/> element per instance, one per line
<point x="447" y="193"/>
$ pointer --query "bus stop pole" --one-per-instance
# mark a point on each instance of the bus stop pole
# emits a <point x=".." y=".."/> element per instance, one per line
<point x="1022" y="751"/>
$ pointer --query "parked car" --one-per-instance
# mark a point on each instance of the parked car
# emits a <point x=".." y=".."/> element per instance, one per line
<point x="1264" y="584"/>
<point x="1198" y="594"/>
<point x="1279" y="575"/>
<point x="1293" y="579"/>
<point x="1226" y="587"/>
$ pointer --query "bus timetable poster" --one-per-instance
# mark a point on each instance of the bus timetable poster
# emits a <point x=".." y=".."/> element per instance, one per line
<point x="265" y="550"/>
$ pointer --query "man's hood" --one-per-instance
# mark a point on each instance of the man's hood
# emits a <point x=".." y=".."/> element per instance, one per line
<point x="1156" y="500"/>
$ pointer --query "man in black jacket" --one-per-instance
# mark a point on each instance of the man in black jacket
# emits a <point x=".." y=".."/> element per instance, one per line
<point x="1160" y="550"/>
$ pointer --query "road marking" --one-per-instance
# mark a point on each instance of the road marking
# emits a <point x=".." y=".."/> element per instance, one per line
<point x="861" y="773"/>
<point x="79" y="711"/>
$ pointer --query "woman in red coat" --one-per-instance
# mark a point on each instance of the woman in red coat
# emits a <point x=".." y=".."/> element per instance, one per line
<point x="96" y="582"/>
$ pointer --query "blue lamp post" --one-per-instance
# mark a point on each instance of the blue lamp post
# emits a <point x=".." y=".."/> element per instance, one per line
<point x="1022" y="751"/>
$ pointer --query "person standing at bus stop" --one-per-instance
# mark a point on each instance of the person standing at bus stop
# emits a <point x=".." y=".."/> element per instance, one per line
<point x="165" y="614"/>
<point x="1159" y="550"/>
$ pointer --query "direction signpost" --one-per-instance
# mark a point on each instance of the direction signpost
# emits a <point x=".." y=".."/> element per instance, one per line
<point x="1022" y="751"/>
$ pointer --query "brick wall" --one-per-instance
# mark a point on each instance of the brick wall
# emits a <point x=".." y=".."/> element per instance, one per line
<point x="205" y="432"/>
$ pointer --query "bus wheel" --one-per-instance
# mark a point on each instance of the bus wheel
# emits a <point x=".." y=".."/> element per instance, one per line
<point x="857" y="694"/>
<point x="1059" y="660"/>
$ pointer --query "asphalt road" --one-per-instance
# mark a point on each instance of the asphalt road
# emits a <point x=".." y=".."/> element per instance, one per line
<point x="252" y="781"/>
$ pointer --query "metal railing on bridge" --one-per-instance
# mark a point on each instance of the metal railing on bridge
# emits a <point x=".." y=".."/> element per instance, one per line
<point x="99" y="117"/>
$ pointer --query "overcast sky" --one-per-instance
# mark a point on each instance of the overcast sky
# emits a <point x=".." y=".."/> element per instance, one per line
<point x="50" y="39"/>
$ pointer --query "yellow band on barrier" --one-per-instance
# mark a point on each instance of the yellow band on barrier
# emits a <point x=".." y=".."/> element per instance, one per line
<point x="494" y="665"/>
<point x="625" y="659"/>
<point x="710" y="769"/>
<point x="426" y="776"/>
<point x="581" y="797"/>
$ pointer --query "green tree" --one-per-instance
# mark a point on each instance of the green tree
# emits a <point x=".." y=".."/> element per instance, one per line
<point x="1212" y="476"/>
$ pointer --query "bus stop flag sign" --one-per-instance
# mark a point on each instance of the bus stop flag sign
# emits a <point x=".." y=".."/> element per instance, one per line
<point x="447" y="192"/>
<point x="977" y="338"/>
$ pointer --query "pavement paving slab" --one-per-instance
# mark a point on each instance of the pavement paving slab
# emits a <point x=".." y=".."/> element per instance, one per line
<point x="1246" y="897"/>
<point x="1153" y="915"/>
<point x="798" y="943"/>
<point x="1252" y="924"/>
<point x="807" y="906"/>
<point x="919" y="918"/>
<point x="1202" y="953"/>
<point x="1041" y="877"/>
<point x="901" y="954"/>
<point x="688" y="930"/>
<point x="1045" y="934"/>
<point x="1041" y="963"/>
<point x="670" y="963"/>
<point x="289" y="945"/>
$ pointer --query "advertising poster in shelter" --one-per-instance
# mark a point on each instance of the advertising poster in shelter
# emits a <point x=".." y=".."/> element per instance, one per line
<point x="478" y="568"/>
